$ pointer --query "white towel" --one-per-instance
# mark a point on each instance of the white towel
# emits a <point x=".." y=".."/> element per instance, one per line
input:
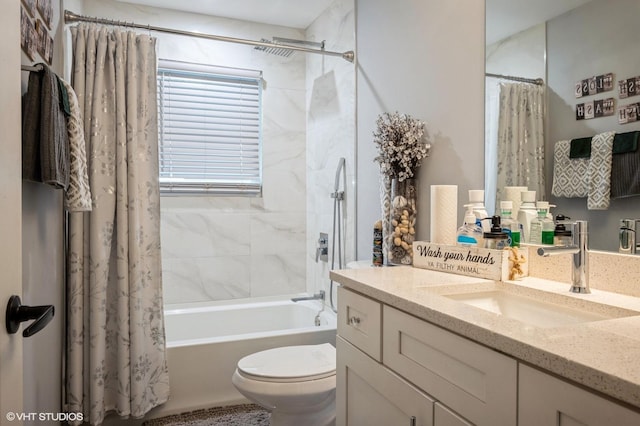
<point x="599" y="171"/>
<point x="570" y="175"/>
<point x="77" y="197"/>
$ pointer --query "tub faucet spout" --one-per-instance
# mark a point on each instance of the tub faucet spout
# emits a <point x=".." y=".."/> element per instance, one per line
<point x="579" y="249"/>
<point x="318" y="296"/>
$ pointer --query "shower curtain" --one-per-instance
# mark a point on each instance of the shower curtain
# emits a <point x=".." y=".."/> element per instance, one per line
<point x="520" y="139"/>
<point x="116" y="359"/>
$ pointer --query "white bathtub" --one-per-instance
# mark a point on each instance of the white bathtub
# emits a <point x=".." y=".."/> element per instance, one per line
<point x="204" y="343"/>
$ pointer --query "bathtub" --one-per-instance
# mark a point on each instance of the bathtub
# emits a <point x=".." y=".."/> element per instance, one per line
<point x="204" y="343"/>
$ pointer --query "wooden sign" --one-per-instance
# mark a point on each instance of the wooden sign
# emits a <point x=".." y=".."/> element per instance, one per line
<point x="470" y="261"/>
<point x="629" y="87"/>
<point x="595" y="109"/>
<point x="594" y="85"/>
<point x="628" y="113"/>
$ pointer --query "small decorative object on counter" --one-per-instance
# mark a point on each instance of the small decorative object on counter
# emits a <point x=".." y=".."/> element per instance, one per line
<point x="378" y="256"/>
<point x="516" y="261"/>
<point x="402" y="221"/>
<point x="402" y="145"/>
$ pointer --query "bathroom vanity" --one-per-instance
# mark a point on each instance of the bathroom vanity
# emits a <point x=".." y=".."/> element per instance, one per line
<point x="414" y="349"/>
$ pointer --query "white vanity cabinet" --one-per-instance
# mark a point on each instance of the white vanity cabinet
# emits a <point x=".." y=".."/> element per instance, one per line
<point x="547" y="400"/>
<point x="368" y="394"/>
<point x="419" y="374"/>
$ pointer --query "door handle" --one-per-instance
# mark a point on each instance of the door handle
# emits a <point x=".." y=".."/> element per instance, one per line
<point x="17" y="313"/>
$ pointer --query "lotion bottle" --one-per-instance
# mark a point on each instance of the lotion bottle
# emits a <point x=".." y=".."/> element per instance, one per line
<point x="527" y="213"/>
<point x="510" y="226"/>
<point x="469" y="234"/>
<point x="476" y="200"/>
<point x="542" y="228"/>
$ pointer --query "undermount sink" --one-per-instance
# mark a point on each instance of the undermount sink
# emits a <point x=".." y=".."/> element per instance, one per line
<point x="537" y="307"/>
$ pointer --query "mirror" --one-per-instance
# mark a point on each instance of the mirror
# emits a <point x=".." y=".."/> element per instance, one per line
<point x="565" y="41"/>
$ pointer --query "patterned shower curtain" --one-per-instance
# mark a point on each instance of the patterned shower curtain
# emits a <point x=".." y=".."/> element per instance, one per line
<point x="116" y="358"/>
<point x="521" y="138"/>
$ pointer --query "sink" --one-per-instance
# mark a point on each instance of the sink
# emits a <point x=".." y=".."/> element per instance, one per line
<point x="536" y="307"/>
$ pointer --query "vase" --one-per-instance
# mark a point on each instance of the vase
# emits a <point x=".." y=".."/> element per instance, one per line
<point x="401" y="222"/>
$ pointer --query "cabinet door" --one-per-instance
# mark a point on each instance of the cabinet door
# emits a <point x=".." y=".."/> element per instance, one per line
<point x="472" y="380"/>
<point x="544" y="400"/>
<point x="442" y="416"/>
<point x="368" y="394"/>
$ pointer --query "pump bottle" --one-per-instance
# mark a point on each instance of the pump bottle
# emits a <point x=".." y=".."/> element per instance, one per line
<point x="495" y="238"/>
<point x="510" y="226"/>
<point x="469" y="234"/>
<point x="476" y="200"/>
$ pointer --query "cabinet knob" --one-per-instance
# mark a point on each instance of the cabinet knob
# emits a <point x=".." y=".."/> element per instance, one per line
<point x="412" y="421"/>
<point x="354" y="320"/>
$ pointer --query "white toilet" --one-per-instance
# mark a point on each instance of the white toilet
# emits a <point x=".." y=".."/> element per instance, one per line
<point x="296" y="383"/>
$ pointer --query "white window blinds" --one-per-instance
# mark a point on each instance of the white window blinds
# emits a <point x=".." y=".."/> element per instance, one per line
<point x="209" y="129"/>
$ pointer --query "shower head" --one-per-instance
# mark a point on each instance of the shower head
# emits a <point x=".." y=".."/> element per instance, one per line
<point x="274" y="50"/>
<point x="272" y="46"/>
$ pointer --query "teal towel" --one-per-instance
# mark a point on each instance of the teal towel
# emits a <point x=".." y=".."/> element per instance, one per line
<point x="580" y="148"/>
<point x="625" y="142"/>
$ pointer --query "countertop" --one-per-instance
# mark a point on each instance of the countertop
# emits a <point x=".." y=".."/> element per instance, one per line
<point x="603" y="355"/>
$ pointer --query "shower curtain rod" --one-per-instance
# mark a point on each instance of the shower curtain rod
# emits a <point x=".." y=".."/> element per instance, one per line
<point x="70" y="17"/>
<point x="537" y="81"/>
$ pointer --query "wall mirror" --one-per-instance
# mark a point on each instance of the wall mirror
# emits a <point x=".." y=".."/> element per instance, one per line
<point x="562" y="42"/>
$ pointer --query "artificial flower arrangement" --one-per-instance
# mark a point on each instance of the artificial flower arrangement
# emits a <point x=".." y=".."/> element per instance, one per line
<point x="401" y="144"/>
<point x="401" y="148"/>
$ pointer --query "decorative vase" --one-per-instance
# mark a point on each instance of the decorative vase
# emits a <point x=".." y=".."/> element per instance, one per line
<point x="401" y="223"/>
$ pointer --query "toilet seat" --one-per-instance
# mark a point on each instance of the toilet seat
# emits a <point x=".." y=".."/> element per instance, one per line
<point x="290" y="364"/>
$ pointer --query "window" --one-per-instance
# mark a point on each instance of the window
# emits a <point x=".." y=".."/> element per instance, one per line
<point x="210" y="129"/>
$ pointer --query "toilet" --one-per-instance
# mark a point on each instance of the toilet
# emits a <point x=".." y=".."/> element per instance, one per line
<point x="297" y="384"/>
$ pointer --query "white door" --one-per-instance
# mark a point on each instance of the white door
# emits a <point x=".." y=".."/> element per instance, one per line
<point x="10" y="208"/>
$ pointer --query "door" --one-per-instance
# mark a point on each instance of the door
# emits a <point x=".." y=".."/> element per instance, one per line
<point x="10" y="208"/>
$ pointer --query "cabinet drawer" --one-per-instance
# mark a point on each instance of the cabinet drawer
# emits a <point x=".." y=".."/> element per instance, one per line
<point x="360" y="321"/>
<point x="547" y="401"/>
<point x="472" y="380"/>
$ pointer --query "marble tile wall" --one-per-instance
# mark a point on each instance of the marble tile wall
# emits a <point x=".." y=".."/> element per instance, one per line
<point x="330" y="101"/>
<point x="220" y="248"/>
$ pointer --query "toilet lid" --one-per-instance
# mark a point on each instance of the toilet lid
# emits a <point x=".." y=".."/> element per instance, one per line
<point x="290" y="363"/>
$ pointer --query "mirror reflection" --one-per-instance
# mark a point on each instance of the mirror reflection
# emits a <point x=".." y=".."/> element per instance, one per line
<point x="561" y="42"/>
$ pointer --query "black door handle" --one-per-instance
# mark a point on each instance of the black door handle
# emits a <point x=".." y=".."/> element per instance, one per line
<point x="17" y="313"/>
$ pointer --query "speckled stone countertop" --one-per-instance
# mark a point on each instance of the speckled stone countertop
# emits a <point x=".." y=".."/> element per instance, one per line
<point x="603" y="355"/>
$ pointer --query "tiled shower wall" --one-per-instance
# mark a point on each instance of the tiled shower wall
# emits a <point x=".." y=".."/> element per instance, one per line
<point x="220" y="248"/>
<point x="330" y="135"/>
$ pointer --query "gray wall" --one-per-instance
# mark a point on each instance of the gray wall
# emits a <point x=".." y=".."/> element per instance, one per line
<point x="424" y="58"/>
<point x="581" y="44"/>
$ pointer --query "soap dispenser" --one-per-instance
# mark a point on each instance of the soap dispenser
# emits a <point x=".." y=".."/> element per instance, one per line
<point x="476" y="200"/>
<point x="469" y="234"/>
<point x="495" y="238"/>
<point x="561" y="235"/>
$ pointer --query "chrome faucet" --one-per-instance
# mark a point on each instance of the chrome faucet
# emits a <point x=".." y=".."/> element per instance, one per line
<point x="318" y="296"/>
<point x="579" y="248"/>
<point x="628" y="236"/>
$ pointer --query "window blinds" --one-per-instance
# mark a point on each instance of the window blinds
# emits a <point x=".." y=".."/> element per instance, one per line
<point x="209" y="129"/>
